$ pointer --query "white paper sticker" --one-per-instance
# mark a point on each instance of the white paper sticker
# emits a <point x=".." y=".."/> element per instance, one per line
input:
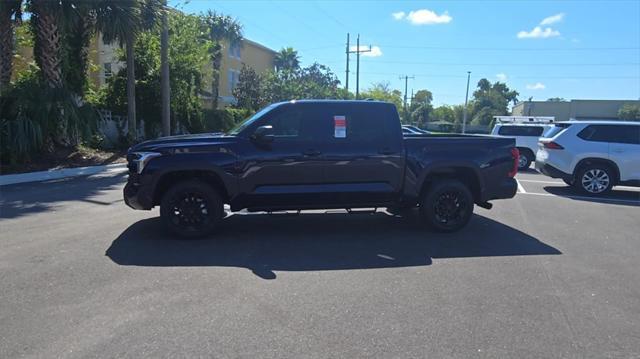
<point x="340" y="126"/>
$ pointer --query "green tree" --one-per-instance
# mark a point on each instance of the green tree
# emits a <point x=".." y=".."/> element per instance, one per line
<point x="220" y="27"/>
<point x="315" y="81"/>
<point x="382" y="91"/>
<point x="189" y="56"/>
<point x="629" y="112"/>
<point x="491" y="100"/>
<point x="420" y="108"/>
<point x="122" y="21"/>
<point x="287" y="59"/>
<point x="10" y="14"/>
<point x="249" y="92"/>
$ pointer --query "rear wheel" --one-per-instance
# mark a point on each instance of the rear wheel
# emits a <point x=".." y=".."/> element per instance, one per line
<point x="594" y="179"/>
<point x="191" y="209"/>
<point x="447" y="206"/>
<point x="524" y="161"/>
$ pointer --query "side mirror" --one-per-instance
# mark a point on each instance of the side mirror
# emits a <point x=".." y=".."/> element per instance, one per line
<point x="263" y="135"/>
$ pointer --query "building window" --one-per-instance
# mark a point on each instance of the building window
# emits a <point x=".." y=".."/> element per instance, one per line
<point x="234" y="51"/>
<point x="234" y="76"/>
<point x="107" y="70"/>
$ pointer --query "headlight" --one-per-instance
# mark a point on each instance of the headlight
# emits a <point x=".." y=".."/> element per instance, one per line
<point x="141" y="159"/>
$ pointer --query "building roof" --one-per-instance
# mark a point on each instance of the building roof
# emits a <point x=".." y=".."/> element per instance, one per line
<point x="253" y="43"/>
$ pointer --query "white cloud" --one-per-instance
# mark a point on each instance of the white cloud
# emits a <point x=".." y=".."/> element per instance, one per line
<point x="398" y="15"/>
<point x="501" y="77"/>
<point x="552" y="19"/>
<point x="536" y="86"/>
<point x="375" y="51"/>
<point x="538" y="33"/>
<point x="427" y="17"/>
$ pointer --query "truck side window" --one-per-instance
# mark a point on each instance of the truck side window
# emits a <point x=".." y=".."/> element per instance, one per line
<point x="294" y="122"/>
<point x="363" y="125"/>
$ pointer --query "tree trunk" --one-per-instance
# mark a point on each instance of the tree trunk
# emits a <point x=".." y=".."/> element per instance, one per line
<point x="6" y="48"/>
<point x="131" y="89"/>
<point x="217" y="61"/>
<point x="48" y="38"/>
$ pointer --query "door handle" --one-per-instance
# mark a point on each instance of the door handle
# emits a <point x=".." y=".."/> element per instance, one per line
<point x="386" y="151"/>
<point x="311" y="153"/>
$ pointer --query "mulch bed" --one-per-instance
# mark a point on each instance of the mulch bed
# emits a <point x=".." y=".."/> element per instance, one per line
<point x="66" y="158"/>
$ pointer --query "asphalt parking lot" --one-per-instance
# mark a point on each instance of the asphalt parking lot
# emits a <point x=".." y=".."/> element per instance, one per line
<point x="547" y="274"/>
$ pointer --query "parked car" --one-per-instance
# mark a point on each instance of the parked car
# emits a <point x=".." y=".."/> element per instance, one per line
<point x="526" y="136"/>
<point x="318" y="154"/>
<point x="592" y="156"/>
<point x="415" y="129"/>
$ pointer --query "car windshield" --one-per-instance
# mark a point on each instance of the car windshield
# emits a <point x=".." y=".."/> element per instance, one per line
<point x="246" y="123"/>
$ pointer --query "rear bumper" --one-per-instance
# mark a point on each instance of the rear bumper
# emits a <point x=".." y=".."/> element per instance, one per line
<point x="505" y="189"/>
<point x="549" y="170"/>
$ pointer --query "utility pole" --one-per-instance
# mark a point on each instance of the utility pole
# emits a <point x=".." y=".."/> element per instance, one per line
<point x="466" y="98"/>
<point x="406" y="82"/>
<point x="357" y="51"/>
<point x="346" y="81"/>
<point x="164" y="69"/>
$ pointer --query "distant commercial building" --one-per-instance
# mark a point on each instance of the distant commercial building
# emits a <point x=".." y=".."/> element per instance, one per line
<point x="574" y="109"/>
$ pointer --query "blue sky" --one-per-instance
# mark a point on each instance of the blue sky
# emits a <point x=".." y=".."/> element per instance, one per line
<point x="570" y="49"/>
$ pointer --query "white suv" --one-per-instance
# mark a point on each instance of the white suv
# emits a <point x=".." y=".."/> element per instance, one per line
<point x="526" y="136"/>
<point x="593" y="156"/>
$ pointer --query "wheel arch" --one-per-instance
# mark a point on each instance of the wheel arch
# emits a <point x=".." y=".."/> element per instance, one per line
<point x="466" y="175"/>
<point x="596" y="160"/>
<point x="168" y="179"/>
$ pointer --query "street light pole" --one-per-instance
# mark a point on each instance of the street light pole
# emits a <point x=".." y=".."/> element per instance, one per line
<point x="466" y="98"/>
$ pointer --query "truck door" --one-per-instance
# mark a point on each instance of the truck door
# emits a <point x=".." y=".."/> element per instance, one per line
<point x="286" y="172"/>
<point x="363" y="153"/>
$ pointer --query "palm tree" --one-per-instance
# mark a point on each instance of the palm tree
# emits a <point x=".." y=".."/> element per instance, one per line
<point x="221" y="27"/>
<point x="45" y="20"/>
<point x="287" y="60"/>
<point x="10" y="13"/>
<point x="79" y="27"/>
<point x="121" y="21"/>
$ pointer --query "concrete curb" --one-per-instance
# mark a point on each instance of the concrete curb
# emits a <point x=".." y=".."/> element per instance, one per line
<point x="60" y="173"/>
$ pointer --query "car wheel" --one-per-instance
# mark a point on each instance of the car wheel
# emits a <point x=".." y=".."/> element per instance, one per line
<point x="594" y="179"/>
<point x="524" y="161"/>
<point x="191" y="209"/>
<point x="447" y="206"/>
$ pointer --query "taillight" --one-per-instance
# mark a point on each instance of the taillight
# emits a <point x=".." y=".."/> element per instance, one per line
<point x="552" y="145"/>
<point x="515" y="155"/>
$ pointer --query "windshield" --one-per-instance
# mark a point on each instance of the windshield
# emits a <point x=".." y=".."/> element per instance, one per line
<point x="246" y="123"/>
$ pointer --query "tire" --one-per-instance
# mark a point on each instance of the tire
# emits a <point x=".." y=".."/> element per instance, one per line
<point x="191" y="209"/>
<point x="525" y="159"/>
<point x="447" y="206"/>
<point x="594" y="179"/>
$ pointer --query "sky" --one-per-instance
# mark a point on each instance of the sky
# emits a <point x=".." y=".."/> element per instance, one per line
<point x="542" y="49"/>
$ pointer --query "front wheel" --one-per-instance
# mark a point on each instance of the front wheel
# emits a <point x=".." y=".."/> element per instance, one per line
<point x="191" y="209"/>
<point x="447" y="206"/>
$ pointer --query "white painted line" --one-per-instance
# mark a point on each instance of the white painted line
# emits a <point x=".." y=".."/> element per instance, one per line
<point x="520" y="188"/>
<point x="548" y="182"/>
<point x="61" y="173"/>
<point x="594" y="199"/>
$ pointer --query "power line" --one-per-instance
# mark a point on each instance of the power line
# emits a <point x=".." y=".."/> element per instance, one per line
<point x="503" y="64"/>
<point x="509" y="48"/>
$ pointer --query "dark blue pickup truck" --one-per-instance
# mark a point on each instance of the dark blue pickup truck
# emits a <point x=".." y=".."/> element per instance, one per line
<point x="316" y="154"/>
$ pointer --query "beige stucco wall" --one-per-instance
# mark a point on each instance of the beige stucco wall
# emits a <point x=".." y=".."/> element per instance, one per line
<point x="574" y="109"/>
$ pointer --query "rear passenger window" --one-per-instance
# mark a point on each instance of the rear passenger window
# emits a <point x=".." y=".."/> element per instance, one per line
<point x="363" y="124"/>
<point x="533" y="131"/>
<point x="611" y="133"/>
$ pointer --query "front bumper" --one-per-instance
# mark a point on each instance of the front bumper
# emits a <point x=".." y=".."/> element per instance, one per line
<point x="137" y="196"/>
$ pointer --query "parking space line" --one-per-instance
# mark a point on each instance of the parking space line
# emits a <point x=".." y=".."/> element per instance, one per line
<point x="536" y="181"/>
<point x="594" y="199"/>
<point x="520" y="188"/>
